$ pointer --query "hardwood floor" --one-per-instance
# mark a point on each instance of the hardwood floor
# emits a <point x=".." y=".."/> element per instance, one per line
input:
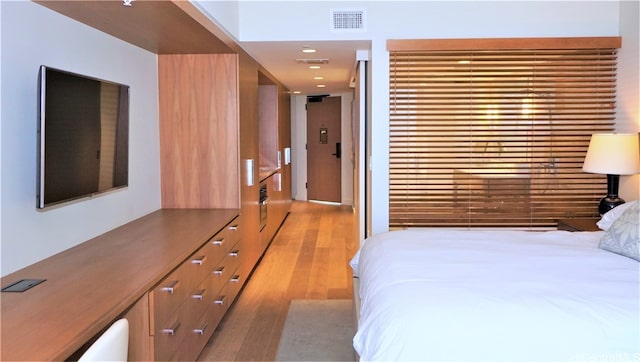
<point x="308" y="259"/>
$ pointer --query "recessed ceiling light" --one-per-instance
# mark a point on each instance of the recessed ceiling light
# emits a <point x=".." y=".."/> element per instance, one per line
<point x="314" y="67"/>
<point x="296" y="92"/>
<point x="320" y="85"/>
<point x="318" y="77"/>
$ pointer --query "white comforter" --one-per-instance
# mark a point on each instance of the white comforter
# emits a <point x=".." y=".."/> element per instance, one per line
<point x="448" y="295"/>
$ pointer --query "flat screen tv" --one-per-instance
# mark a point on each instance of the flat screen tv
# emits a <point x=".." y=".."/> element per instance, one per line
<point x="83" y="132"/>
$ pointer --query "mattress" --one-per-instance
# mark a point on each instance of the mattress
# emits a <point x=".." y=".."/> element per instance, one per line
<point x="452" y="295"/>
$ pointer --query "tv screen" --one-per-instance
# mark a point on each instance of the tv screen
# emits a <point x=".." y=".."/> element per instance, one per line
<point x="83" y="132"/>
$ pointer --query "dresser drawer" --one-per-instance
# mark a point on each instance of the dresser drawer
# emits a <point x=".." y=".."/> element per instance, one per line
<point x="220" y="303"/>
<point x="199" y="301"/>
<point x="216" y="248"/>
<point x="200" y="264"/>
<point x="233" y="258"/>
<point x="170" y="293"/>
<point x="202" y="329"/>
<point x="169" y="336"/>
<point x="224" y="271"/>
<point x="235" y="284"/>
<point x="233" y="231"/>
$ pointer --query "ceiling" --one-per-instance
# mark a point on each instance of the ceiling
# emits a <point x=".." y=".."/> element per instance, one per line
<point x="170" y="27"/>
<point x="281" y="60"/>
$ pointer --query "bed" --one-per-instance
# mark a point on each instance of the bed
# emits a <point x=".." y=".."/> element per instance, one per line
<point x="453" y="295"/>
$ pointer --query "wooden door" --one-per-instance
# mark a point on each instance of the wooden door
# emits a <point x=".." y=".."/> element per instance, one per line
<point x="324" y="149"/>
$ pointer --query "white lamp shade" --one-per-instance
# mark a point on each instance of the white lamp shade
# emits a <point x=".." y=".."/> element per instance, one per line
<point x="613" y="154"/>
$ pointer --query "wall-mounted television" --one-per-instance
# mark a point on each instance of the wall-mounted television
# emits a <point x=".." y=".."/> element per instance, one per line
<point x="83" y="133"/>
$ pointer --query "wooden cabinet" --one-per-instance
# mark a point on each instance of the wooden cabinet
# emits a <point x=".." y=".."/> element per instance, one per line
<point x="579" y="224"/>
<point x="121" y="274"/>
<point x="209" y="116"/>
<point x="199" y="130"/>
<point x="188" y="304"/>
<point x="277" y="207"/>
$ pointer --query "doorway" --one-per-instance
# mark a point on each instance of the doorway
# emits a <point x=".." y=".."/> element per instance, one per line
<point x="324" y="149"/>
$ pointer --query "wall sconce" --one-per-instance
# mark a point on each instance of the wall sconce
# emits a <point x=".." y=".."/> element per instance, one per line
<point x="613" y="154"/>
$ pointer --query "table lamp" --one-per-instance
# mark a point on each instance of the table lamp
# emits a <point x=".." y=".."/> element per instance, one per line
<point x="613" y="154"/>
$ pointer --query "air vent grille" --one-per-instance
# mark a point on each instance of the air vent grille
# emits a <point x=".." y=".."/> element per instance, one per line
<point x="348" y="19"/>
<point x="312" y="61"/>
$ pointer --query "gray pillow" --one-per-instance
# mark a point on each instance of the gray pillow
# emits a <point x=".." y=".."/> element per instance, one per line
<point x="623" y="237"/>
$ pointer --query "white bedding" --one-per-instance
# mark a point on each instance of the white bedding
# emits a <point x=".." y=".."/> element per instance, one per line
<point x="449" y="295"/>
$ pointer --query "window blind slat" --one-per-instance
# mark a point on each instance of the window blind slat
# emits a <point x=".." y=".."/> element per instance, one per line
<point x="496" y="137"/>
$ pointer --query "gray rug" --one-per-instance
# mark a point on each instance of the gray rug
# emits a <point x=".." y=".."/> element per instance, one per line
<point x="317" y="330"/>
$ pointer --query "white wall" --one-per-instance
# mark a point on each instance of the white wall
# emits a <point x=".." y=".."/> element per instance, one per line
<point x="628" y="105"/>
<point x="33" y="35"/>
<point x="309" y="20"/>
<point x="299" y="152"/>
<point x="479" y="19"/>
<point x="225" y="12"/>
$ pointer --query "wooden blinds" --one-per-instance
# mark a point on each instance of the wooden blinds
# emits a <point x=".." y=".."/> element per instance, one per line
<point x="497" y="136"/>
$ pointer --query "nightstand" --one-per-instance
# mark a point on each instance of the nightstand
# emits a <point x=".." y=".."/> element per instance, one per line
<point x="579" y="224"/>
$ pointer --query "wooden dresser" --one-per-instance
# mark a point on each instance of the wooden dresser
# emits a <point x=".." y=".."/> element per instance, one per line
<point x="171" y="273"/>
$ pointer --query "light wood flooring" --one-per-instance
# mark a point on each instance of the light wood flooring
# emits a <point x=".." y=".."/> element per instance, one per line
<point x="307" y="259"/>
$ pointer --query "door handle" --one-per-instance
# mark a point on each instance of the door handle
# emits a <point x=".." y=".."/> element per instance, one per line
<point x="338" y="153"/>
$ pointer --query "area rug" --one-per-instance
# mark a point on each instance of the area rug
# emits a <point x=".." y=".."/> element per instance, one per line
<point x="317" y="330"/>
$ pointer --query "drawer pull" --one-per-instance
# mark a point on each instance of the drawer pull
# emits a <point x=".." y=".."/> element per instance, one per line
<point x="218" y="242"/>
<point x="171" y="287"/>
<point x="199" y="294"/>
<point x="234" y="253"/>
<point x="199" y="261"/>
<point x="233" y="227"/>
<point x="200" y="331"/>
<point x="171" y="331"/>
<point x="220" y="300"/>
<point x="218" y="271"/>
<point x="235" y="279"/>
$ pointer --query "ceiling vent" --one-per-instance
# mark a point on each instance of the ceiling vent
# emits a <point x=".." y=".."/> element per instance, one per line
<point x="312" y="61"/>
<point x="348" y="20"/>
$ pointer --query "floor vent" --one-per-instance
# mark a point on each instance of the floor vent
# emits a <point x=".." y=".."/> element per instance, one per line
<point x="348" y="20"/>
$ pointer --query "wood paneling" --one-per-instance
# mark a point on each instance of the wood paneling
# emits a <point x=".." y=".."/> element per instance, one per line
<point x="268" y="125"/>
<point x="503" y="43"/>
<point x="140" y="341"/>
<point x="199" y="131"/>
<point x="249" y="150"/>
<point x="284" y="141"/>
<point x="161" y="27"/>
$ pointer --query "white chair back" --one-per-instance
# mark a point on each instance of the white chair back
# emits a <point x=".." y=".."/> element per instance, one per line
<point x="112" y="345"/>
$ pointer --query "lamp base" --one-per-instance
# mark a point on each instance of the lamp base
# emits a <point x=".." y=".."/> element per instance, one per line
<point x="608" y="203"/>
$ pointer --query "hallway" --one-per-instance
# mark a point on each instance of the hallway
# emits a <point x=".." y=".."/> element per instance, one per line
<point x="307" y="259"/>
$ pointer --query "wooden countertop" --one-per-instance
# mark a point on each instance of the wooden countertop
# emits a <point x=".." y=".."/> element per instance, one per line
<point x="91" y="284"/>
<point x="266" y="172"/>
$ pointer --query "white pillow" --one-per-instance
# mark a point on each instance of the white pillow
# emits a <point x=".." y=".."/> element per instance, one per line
<point x="623" y="237"/>
<point x="612" y="215"/>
